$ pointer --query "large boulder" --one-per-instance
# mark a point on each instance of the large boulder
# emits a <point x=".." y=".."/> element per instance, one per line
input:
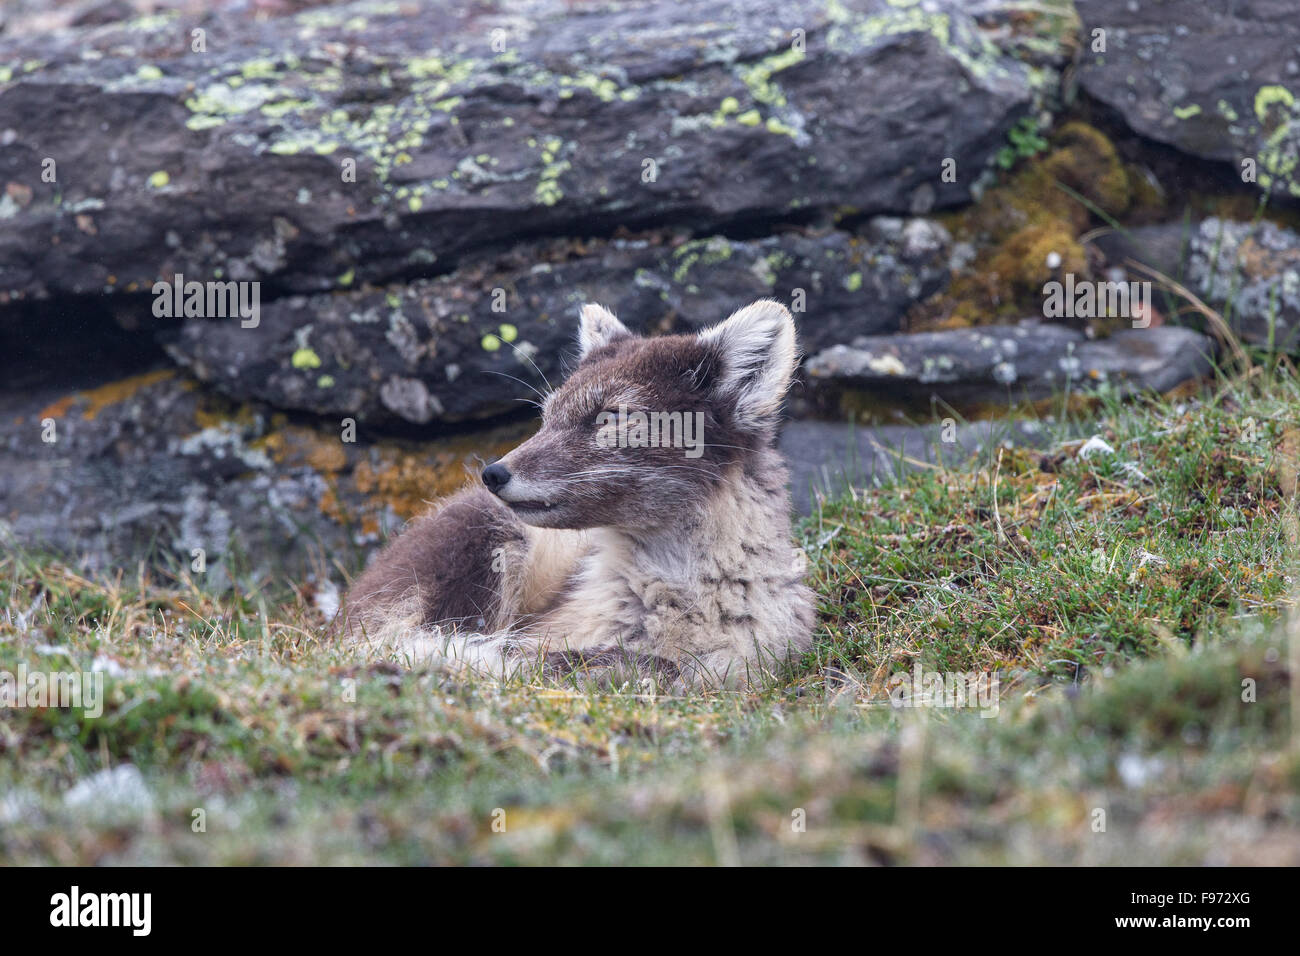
<point x="1216" y="80"/>
<point x="480" y="341"/>
<point x="129" y="154"/>
<point x="1027" y="361"/>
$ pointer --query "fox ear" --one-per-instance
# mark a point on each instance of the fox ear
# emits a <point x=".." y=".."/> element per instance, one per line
<point x="758" y="355"/>
<point x="597" y="326"/>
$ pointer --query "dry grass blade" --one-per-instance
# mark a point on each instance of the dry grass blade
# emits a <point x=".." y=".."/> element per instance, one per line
<point x="1222" y="331"/>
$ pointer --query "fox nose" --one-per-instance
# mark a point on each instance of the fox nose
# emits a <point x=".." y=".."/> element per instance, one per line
<point x="495" y="476"/>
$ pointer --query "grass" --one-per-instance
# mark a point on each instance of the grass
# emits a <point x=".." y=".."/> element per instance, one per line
<point x="1045" y="564"/>
<point x="1133" y="605"/>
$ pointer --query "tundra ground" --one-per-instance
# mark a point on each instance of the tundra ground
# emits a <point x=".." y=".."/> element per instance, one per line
<point x="1132" y="594"/>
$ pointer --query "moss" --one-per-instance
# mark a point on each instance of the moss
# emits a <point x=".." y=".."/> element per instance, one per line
<point x="1021" y="260"/>
<point x="1087" y="162"/>
<point x="1017" y="224"/>
<point x="1147" y="199"/>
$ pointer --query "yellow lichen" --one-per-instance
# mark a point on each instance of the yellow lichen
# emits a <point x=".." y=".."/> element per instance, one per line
<point x="295" y="445"/>
<point x="407" y="479"/>
<point x="95" y="400"/>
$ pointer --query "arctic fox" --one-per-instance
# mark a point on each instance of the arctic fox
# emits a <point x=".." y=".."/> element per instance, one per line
<point x="642" y="532"/>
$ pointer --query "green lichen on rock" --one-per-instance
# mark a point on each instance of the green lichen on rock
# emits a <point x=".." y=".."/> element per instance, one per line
<point x="1279" y="154"/>
<point x="305" y="358"/>
<point x="976" y="52"/>
<point x="757" y="77"/>
<point x="547" y="191"/>
<point x="1269" y="96"/>
<point x="706" y="252"/>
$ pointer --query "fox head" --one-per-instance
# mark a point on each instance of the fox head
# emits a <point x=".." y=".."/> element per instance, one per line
<point x="645" y="427"/>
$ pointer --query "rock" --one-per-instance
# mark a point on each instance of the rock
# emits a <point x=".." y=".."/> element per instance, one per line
<point x="1028" y="361"/>
<point x="151" y="468"/>
<point x="1218" y="81"/>
<point x="1250" y="272"/>
<point x="39" y="16"/>
<point x="826" y="458"/>
<point x="471" y="127"/>
<point x="478" y="342"/>
<point x="1254" y="270"/>
<point x="1161" y="246"/>
<point x="108" y="11"/>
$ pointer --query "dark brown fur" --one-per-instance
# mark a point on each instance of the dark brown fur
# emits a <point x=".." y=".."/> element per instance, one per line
<point x="447" y="558"/>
